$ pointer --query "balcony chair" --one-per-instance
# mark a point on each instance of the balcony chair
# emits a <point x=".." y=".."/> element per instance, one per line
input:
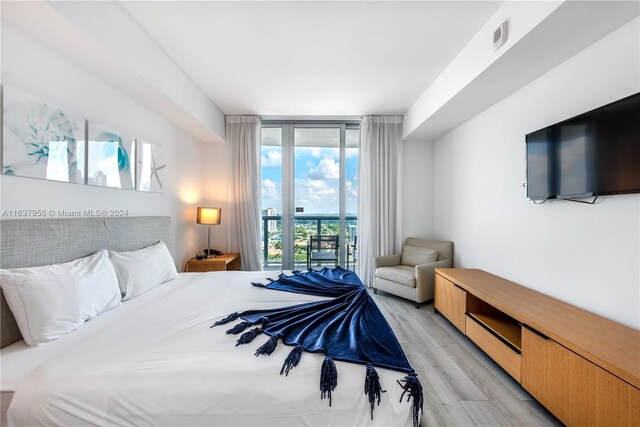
<point x="322" y="249"/>
<point x="410" y="274"/>
<point x="352" y="249"/>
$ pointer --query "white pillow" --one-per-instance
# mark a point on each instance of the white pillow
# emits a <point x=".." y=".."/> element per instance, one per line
<point x="51" y="301"/>
<point x="413" y="256"/>
<point x="138" y="271"/>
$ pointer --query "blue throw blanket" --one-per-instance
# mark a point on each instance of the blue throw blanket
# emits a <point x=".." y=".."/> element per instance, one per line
<point x="349" y="327"/>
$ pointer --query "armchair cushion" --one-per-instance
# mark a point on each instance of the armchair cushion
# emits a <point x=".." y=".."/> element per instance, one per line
<point x="412" y="255"/>
<point x="403" y="274"/>
<point x="386" y="261"/>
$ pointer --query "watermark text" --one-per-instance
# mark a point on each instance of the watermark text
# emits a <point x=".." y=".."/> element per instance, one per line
<point x="62" y="213"/>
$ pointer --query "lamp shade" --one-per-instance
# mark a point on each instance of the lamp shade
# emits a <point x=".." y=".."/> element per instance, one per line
<point x="210" y="216"/>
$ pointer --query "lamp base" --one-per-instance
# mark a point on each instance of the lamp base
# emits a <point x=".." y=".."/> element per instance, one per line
<point x="212" y="253"/>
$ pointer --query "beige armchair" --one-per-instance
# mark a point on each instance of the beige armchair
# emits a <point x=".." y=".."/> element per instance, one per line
<point x="410" y="274"/>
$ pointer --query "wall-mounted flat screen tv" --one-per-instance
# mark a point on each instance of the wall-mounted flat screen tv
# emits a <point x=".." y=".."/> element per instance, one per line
<point x="595" y="153"/>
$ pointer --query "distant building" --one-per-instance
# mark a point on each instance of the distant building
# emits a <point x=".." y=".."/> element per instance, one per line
<point x="272" y="224"/>
<point x="353" y="233"/>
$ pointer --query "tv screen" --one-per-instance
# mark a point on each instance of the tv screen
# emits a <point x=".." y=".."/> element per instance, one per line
<point x="595" y="153"/>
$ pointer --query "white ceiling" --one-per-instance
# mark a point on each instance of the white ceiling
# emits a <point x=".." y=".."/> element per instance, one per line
<point x="312" y="58"/>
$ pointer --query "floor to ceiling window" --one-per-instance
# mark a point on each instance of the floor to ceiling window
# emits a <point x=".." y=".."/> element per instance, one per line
<point x="309" y="188"/>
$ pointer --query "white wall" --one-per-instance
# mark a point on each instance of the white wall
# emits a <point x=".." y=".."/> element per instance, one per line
<point x="417" y="189"/>
<point x="216" y="178"/>
<point x="588" y="256"/>
<point x="34" y="68"/>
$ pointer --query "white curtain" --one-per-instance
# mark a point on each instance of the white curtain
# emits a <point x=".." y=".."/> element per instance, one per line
<point x="379" y="191"/>
<point x="243" y="135"/>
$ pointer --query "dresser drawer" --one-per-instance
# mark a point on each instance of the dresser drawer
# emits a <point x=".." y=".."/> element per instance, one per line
<point x="545" y="372"/>
<point x="451" y="301"/>
<point x="577" y="391"/>
<point x="500" y="352"/>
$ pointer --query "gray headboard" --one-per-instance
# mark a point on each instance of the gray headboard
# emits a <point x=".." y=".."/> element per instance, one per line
<point x="34" y="242"/>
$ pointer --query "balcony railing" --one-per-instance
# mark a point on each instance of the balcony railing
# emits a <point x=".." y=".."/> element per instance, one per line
<point x="305" y="226"/>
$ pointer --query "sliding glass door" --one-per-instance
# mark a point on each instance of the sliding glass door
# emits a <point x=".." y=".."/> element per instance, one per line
<point x="309" y="188"/>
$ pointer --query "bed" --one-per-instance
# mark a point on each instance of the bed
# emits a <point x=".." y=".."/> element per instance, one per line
<point x="154" y="360"/>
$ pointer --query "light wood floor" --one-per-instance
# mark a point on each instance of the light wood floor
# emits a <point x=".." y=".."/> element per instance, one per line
<point x="463" y="386"/>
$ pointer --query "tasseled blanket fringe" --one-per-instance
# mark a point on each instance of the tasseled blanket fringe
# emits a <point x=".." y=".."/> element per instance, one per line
<point x="292" y="360"/>
<point x="328" y="378"/>
<point x="248" y="336"/>
<point x="228" y="319"/>
<point x="239" y="328"/>
<point x="268" y="347"/>
<point x="413" y="387"/>
<point x="372" y="387"/>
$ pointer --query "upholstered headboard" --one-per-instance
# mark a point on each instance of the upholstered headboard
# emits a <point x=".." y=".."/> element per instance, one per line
<point x="34" y="242"/>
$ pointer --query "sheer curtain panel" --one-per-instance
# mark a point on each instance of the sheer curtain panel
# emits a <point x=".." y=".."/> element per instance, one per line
<point x="243" y="135"/>
<point x="379" y="190"/>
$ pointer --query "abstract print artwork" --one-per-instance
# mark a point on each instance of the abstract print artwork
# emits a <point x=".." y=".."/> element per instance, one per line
<point x="151" y="167"/>
<point x="40" y="139"/>
<point x="111" y="158"/>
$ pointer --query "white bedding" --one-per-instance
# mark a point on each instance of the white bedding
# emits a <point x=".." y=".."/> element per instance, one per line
<point x="19" y="360"/>
<point x="155" y="361"/>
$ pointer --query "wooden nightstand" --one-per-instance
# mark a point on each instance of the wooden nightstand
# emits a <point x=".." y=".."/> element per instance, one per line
<point x="219" y="263"/>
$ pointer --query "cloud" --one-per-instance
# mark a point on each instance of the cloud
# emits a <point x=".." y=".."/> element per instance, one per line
<point x="318" y="188"/>
<point x="327" y="168"/>
<point x="317" y="196"/>
<point x="318" y="152"/>
<point x="270" y="188"/>
<point x="271" y="194"/>
<point x="351" y="189"/>
<point x="317" y="179"/>
<point x="314" y="189"/>
<point x="309" y="151"/>
<point x="272" y="158"/>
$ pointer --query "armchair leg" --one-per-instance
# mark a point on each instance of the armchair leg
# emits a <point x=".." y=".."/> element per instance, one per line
<point x="416" y="305"/>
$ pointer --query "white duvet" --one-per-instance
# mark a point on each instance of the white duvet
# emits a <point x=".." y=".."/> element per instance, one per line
<point x="158" y="363"/>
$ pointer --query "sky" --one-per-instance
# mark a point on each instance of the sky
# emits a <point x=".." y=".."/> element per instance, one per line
<point x="316" y="175"/>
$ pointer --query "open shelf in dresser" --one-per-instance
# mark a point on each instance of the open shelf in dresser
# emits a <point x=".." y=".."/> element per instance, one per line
<point x="503" y="326"/>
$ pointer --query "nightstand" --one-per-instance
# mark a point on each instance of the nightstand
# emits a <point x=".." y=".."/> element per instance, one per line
<point x="223" y="262"/>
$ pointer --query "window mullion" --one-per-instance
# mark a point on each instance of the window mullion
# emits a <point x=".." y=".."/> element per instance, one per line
<point x="287" y="197"/>
<point x="343" y="198"/>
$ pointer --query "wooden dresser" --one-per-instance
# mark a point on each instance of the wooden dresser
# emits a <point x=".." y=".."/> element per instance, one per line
<point x="582" y="367"/>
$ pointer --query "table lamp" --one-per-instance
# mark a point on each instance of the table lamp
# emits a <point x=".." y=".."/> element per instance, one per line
<point x="209" y="216"/>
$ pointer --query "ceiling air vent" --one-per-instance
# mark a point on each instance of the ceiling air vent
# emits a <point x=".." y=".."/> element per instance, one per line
<point x="500" y="35"/>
